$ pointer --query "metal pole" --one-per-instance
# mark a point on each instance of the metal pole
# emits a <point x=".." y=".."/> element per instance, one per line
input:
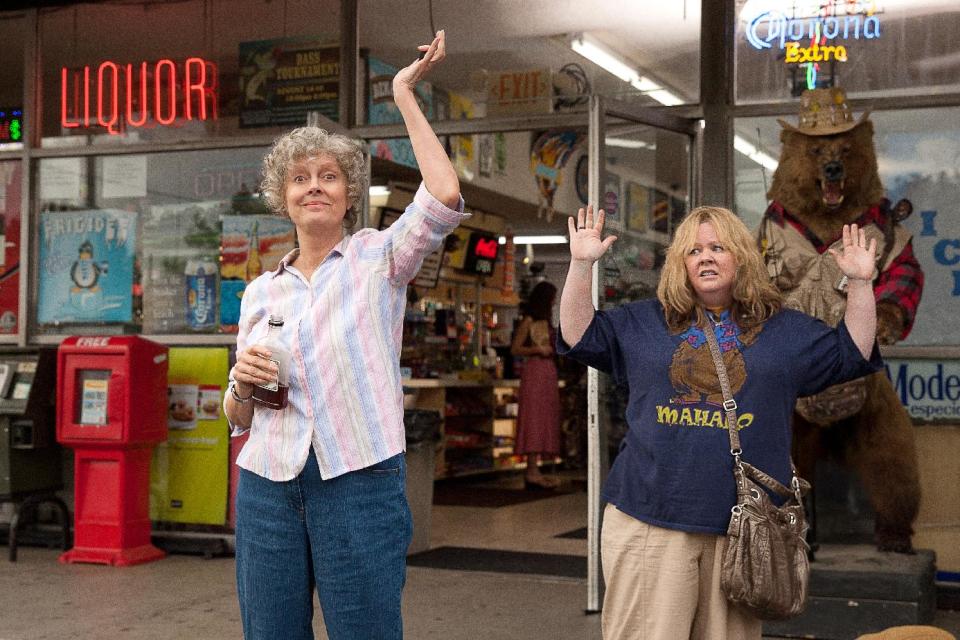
<point x="595" y="168"/>
<point x="32" y="117"/>
<point x="349" y="54"/>
<point x="716" y="97"/>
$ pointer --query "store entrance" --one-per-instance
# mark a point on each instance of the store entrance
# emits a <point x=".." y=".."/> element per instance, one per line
<point x="472" y="321"/>
<point x="643" y="172"/>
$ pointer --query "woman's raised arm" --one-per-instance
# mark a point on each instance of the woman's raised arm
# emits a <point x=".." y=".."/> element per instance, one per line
<point x="438" y="173"/>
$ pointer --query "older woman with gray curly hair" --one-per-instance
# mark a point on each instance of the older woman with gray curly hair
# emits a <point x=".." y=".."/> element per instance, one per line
<point x="320" y="501"/>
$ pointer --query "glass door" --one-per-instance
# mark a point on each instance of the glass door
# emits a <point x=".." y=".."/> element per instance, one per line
<point x="641" y="172"/>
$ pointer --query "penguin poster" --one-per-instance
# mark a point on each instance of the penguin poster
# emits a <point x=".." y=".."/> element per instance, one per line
<point x="86" y="266"/>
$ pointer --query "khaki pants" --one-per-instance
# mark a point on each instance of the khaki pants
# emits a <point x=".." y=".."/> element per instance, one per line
<point x="664" y="584"/>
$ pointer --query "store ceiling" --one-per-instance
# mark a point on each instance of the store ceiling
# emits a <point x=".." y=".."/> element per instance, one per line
<point x="526" y="34"/>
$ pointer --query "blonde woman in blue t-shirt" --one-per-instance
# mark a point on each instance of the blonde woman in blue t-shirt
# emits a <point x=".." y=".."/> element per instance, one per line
<point x="671" y="488"/>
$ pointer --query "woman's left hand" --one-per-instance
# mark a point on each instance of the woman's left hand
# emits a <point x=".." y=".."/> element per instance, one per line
<point x="408" y="77"/>
<point x="858" y="260"/>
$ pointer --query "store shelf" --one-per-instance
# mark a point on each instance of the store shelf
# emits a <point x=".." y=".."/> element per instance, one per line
<point x="484" y="402"/>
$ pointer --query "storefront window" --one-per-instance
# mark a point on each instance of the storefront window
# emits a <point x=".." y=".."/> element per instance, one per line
<point x="12" y="125"/>
<point x="531" y="58"/>
<point x="645" y="196"/>
<point x="159" y="244"/>
<point x="897" y="47"/>
<point x="918" y="152"/>
<point x="123" y="73"/>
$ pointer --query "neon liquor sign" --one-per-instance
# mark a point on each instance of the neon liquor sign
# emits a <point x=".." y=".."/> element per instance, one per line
<point x="115" y="96"/>
<point x="776" y="27"/>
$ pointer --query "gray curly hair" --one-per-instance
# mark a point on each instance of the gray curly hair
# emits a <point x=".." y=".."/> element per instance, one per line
<point x="309" y="142"/>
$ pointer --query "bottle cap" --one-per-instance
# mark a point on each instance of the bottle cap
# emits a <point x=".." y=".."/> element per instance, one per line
<point x="276" y="320"/>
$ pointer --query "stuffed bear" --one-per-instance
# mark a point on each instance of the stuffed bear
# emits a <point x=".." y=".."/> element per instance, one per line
<point x="827" y="177"/>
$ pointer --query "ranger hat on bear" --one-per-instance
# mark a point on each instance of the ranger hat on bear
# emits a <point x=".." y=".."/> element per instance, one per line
<point x="824" y="112"/>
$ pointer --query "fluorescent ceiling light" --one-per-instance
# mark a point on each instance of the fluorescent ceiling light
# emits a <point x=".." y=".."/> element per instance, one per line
<point x="747" y="149"/>
<point x="665" y="97"/>
<point x="535" y="240"/>
<point x="379" y="190"/>
<point x="627" y="143"/>
<point x="601" y="56"/>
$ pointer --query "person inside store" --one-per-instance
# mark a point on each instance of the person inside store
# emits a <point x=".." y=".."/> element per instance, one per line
<point x="670" y="490"/>
<point x="538" y="416"/>
<point x="320" y="501"/>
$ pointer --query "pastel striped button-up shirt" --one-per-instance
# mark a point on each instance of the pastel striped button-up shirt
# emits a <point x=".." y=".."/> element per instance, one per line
<point x="344" y="329"/>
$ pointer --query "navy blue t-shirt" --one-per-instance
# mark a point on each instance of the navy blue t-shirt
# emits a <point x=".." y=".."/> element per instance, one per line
<point x="674" y="469"/>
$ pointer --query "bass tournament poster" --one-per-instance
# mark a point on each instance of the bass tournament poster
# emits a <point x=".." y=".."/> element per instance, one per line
<point x="86" y="266"/>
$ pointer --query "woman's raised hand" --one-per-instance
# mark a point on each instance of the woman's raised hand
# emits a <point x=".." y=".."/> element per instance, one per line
<point x="409" y="76"/>
<point x="858" y="260"/>
<point x="585" y="235"/>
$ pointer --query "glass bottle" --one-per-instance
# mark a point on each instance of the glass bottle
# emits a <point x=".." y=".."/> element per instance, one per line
<point x="274" y="394"/>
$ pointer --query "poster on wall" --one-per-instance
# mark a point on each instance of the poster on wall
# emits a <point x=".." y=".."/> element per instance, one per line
<point x="549" y="153"/>
<point x="913" y="168"/>
<point x="249" y="246"/>
<point x="189" y="472"/>
<point x="462" y="152"/>
<point x="85" y="271"/>
<point x="660" y="210"/>
<point x="485" y="154"/>
<point x="123" y="176"/>
<point x="456" y="246"/>
<point x="611" y="196"/>
<point x="382" y="110"/>
<point x="638" y="206"/>
<point x="10" y="178"/>
<point x="180" y="262"/>
<point x="282" y="80"/>
<point x="62" y="179"/>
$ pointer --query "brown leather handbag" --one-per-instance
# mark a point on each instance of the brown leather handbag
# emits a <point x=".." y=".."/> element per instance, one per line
<point x="764" y="567"/>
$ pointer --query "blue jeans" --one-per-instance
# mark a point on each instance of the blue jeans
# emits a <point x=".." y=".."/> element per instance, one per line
<point x="346" y="536"/>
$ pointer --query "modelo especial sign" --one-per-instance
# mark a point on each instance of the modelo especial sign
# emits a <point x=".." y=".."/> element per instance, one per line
<point x="929" y="389"/>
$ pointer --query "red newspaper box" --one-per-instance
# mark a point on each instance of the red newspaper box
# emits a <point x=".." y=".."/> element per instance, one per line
<point x="112" y="410"/>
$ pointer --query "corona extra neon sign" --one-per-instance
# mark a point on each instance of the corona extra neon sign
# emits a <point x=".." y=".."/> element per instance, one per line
<point x="772" y="27"/>
<point x="115" y="96"/>
<point x="814" y="53"/>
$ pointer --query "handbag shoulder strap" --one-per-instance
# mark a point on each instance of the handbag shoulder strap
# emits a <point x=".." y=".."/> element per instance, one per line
<point x="800" y="486"/>
<point x="729" y="404"/>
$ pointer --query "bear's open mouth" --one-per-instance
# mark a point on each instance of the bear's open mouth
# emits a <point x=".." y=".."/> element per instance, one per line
<point x="831" y="193"/>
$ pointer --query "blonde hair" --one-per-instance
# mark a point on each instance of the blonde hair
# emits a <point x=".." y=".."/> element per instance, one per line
<point x="310" y="142"/>
<point x="755" y="298"/>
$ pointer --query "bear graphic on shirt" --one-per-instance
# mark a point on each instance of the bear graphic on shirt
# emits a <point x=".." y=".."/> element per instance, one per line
<point x="693" y="373"/>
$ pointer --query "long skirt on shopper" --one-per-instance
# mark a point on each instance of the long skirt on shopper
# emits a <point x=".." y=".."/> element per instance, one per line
<point x="538" y="417"/>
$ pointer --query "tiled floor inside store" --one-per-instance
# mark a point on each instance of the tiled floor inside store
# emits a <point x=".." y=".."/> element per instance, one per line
<point x="186" y="596"/>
